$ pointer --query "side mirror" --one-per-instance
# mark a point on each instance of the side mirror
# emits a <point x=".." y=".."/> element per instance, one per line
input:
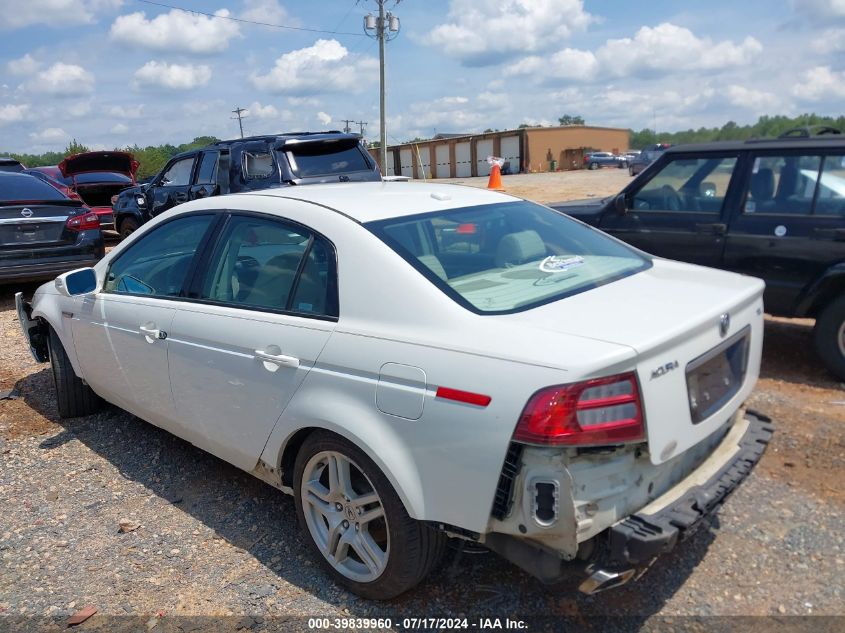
<point x="620" y="204"/>
<point x="81" y="281"/>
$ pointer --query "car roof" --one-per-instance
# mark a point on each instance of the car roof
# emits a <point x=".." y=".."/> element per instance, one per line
<point x="9" y="159"/>
<point x="817" y="142"/>
<point x="373" y="201"/>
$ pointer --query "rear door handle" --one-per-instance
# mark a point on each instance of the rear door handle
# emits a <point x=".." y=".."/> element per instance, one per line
<point x="837" y="235"/>
<point x="152" y="333"/>
<point x="716" y="228"/>
<point x="273" y="360"/>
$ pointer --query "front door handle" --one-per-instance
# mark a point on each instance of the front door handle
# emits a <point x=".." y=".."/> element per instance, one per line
<point x="273" y="358"/>
<point x="180" y="196"/>
<point x="837" y="235"/>
<point x="712" y="229"/>
<point x="152" y="333"/>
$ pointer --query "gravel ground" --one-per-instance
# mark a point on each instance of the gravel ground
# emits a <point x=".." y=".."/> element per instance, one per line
<point x="213" y="541"/>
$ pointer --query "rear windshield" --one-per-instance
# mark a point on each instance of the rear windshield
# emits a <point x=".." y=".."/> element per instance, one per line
<point x="325" y="159"/>
<point x="10" y="166"/>
<point x="99" y="177"/>
<point x="27" y="188"/>
<point x="508" y="257"/>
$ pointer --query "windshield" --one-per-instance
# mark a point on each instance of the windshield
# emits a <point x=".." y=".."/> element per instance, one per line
<point x="508" y="257"/>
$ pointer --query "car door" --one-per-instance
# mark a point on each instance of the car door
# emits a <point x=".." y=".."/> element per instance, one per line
<point x="679" y="212"/>
<point x="173" y="186"/>
<point x="121" y="332"/>
<point x="206" y="181"/>
<point x="257" y="320"/>
<point x="789" y="229"/>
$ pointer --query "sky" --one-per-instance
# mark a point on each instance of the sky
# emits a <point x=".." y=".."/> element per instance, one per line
<point x="112" y="73"/>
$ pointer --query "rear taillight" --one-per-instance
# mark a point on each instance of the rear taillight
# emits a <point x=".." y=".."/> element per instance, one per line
<point x="594" y="412"/>
<point x="83" y="222"/>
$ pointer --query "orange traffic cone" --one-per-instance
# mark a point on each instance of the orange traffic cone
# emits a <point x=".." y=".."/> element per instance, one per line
<point x="495" y="182"/>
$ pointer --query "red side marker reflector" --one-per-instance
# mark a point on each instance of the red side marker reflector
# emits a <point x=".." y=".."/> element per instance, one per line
<point x="478" y="399"/>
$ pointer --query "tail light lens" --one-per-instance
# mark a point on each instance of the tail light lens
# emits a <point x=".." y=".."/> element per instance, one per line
<point x="595" y="412"/>
<point x="83" y="222"/>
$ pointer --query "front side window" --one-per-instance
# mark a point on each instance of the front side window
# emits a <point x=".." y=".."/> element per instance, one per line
<point x="784" y="185"/>
<point x="179" y="173"/>
<point x="830" y="199"/>
<point x="692" y="185"/>
<point x="263" y="263"/>
<point x="157" y="263"/>
<point x="508" y="257"/>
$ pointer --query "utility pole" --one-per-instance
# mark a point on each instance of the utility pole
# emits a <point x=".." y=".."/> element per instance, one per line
<point x="384" y="28"/>
<point x="237" y="112"/>
<point x="346" y="124"/>
<point x="362" y="125"/>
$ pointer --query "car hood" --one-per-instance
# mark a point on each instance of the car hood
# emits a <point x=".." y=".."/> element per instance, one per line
<point x="118" y="162"/>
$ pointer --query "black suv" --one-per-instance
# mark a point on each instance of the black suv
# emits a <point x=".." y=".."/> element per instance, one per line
<point x="772" y="208"/>
<point x="247" y="164"/>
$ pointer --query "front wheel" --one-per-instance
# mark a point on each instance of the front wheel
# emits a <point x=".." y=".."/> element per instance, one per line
<point x="127" y="227"/>
<point x="829" y="337"/>
<point x="631" y="171"/>
<point x="594" y="165"/>
<point x="73" y="397"/>
<point x="356" y="522"/>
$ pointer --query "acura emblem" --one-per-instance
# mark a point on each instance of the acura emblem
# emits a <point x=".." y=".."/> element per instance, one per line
<point x="27" y="213"/>
<point x="724" y="324"/>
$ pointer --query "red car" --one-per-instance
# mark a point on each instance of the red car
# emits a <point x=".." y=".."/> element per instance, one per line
<point x="96" y="178"/>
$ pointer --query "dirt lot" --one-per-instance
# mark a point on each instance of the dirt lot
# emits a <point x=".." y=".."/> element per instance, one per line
<point x="215" y="542"/>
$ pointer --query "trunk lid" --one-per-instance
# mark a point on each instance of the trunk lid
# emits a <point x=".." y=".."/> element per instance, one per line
<point x="120" y="162"/>
<point x="670" y="316"/>
<point x="27" y="225"/>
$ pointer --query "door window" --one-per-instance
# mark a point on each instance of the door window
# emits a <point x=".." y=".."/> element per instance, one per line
<point x="267" y="264"/>
<point x="208" y="169"/>
<point x="830" y="199"/>
<point x="157" y="263"/>
<point x="695" y="185"/>
<point x="782" y="184"/>
<point x="179" y="173"/>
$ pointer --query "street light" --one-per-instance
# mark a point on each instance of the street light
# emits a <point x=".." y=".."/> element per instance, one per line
<point x="384" y="27"/>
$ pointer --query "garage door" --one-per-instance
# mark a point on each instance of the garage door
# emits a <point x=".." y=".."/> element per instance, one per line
<point x="463" y="167"/>
<point x="482" y="150"/>
<point x="424" y="158"/>
<point x="407" y="158"/>
<point x="510" y="152"/>
<point x="391" y="169"/>
<point x="443" y="169"/>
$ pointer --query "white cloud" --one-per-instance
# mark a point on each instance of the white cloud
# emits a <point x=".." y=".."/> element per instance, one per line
<point x="324" y="67"/>
<point x="77" y="109"/>
<point x="821" y="83"/>
<point x="50" y="135"/>
<point x="494" y="102"/>
<point x="324" y="118"/>
<point x="299" y="102"/>
<point x="172" y="76"/>
<point x="54" y="12"/>
<point x="823" y="9"/>
<point x="126" y="112"/>
<point x="11" y="113"/>
<point x="259" y="111"/>
<point x="829" y="41"/>
<point x="119" y="128"/>
<point x="176" y="31"/>
<point x="25" y="65"/>
<point x="62" y="79"/>
<point x="487" y="33"/>
<point x="666" y="48"/>
<point x="755" y="100"/>
<point x="267" y="11"/>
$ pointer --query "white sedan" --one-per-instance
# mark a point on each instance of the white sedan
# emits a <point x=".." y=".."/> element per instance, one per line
<point x="420" y="362"/>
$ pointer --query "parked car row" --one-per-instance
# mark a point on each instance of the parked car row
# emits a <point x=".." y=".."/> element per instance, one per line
<point x="595" y="160"/>
<point x="770" y="208"/>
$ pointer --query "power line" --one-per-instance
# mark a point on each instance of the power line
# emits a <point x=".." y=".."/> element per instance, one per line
<point x="243" y="21"/>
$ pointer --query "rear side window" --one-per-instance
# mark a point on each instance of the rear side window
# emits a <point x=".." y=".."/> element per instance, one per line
<point x="783" y="185"/>
<point x="830" y="198"/>
<point x="263" y="263"/>
<point x="325" y="159"/>
<point x="157" y="263"/>
<point x="508" y="257"/>
<point x="27" y="188"/>
<point x="693" y="185"/>
<point x="208" y="169"/>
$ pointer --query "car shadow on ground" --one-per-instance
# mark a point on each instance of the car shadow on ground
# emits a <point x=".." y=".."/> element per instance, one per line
<point x="789" y="354"/>
<point x="230" y="502"/>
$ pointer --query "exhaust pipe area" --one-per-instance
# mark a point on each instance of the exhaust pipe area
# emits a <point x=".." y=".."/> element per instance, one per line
<point x="601" y="579"/>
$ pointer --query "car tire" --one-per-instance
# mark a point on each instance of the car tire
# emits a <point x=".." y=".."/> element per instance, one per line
<point x="631" y="171"/>
<point x="594" y="165"/>
<point x="829" y="335"/>
<point x="396" y="551"/>
<point x="73" y="397"/>
<point x="127" y="227"/>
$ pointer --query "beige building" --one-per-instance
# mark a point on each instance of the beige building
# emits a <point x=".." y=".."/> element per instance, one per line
<point x="530" y="149"/>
